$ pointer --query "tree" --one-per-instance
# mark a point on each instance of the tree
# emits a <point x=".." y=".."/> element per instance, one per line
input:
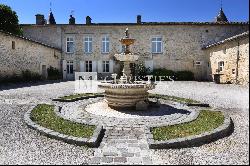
<point x="9" y="20"/>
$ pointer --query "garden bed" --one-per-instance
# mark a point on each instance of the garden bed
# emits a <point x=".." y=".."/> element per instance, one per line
<point x="44" y="119"/>
<point x="209" y="126"/>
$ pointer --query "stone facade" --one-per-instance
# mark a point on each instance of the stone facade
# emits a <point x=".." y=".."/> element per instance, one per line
<point x="182" y="43"/>
<point x="18" y="54"/>
<point x="235" y="55"/>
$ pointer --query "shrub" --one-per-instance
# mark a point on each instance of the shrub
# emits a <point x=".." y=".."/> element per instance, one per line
<point x="184" y="76"/>
<point x="28" y="76"/>
<point x="25" y="76"/>
<point x="167" y="75"/>
<point x="53" y="73"/>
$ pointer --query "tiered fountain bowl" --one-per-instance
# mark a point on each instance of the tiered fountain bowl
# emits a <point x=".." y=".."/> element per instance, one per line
<point x="123" y="93"/>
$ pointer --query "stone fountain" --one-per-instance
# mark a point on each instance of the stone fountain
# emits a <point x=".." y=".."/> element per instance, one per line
<point x="124" y="93"/>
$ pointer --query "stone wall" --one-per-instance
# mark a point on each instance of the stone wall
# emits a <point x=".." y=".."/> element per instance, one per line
<point x="181" y="43"/>
<point x="26" y="55"/>
<point x="228" y="52"/>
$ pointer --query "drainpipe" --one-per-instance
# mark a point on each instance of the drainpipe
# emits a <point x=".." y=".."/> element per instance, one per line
<point x="237" y="61"/>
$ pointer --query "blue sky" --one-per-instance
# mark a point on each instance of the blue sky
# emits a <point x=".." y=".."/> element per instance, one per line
<point x="102" y="11"/>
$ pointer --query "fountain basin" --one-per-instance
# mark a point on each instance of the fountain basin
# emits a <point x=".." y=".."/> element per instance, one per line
<point x="125" y="95"/>
<point x="127" y="41"/>
<point x="127" y="57"/>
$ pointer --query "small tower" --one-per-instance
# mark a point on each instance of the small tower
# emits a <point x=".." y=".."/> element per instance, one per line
<point x="51" y="19"/>
<point x="221" y="16"/>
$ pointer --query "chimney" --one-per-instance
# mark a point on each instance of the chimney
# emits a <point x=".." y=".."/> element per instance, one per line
<point x="72" y="20"/>
<point x="40" y="19"/>
<point x="88" y="20"/>
<point x="138" y="19"/>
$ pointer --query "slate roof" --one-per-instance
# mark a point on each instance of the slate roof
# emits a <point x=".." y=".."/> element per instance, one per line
<point x="28" y="39"/>
<point x="239" y="36"/>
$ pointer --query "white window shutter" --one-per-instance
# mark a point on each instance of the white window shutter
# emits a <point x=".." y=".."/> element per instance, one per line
<point x="111" y="66"/>
<point x="82" y="66"/>
<point x="99" y="66"/>
<point x="93" y="66"/>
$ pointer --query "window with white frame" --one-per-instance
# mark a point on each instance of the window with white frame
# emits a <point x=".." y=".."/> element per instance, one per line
<point x="88" y="66"/>
<point x="88" y="44"/>
<point x="70" y="45"/>
<point x="157" y="45"/>
<point x="221" y="65"/>
<point x="105" y="66"/>
<point x="105" y="44"/>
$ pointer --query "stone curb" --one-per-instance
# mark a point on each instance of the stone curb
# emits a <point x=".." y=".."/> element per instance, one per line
<point x="185" y="103"/>
<point x="77" y="98"/>
<point x="92" y="142"/>
<point x="197" y="140"/>
<point x="198" y="105"/>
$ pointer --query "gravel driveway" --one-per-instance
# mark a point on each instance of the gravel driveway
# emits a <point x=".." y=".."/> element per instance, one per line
<point x="20" y="145"/>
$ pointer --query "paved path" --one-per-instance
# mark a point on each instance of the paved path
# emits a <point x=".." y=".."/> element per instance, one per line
<point x="123" y="145"/>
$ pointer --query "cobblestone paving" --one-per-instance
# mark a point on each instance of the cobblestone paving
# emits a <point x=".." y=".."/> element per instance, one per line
<point x="123" y="145"/>
<point x="21" y="145"/>
<point x="165" y="115"/>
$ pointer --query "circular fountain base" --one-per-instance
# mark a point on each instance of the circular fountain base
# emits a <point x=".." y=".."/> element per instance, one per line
<point x="125" y="95"/>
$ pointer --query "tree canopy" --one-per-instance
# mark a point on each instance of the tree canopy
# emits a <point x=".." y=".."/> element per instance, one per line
<point x="9" y="20"/>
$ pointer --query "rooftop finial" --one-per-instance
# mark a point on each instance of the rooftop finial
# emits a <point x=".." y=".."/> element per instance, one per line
<point x="50" y="4"/>
<point x="72" y="12"/>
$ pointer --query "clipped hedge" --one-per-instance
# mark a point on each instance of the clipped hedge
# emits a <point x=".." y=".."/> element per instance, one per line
<point x="184" y="76"/>
<point x="54" y="73"/>
<point x="25" y="76"/>
<point x="168" y="75"/>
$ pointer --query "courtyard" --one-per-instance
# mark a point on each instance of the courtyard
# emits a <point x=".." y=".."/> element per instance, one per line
<point x="21" y="145"/>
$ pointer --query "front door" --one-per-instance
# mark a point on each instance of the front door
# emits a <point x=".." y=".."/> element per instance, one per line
<point x="70" y="70"/>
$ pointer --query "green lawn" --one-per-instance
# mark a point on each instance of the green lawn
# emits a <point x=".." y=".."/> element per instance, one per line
<point x="174" y="98"/>
<point x="45" y="116"/>
<point x="206" y="121"/>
